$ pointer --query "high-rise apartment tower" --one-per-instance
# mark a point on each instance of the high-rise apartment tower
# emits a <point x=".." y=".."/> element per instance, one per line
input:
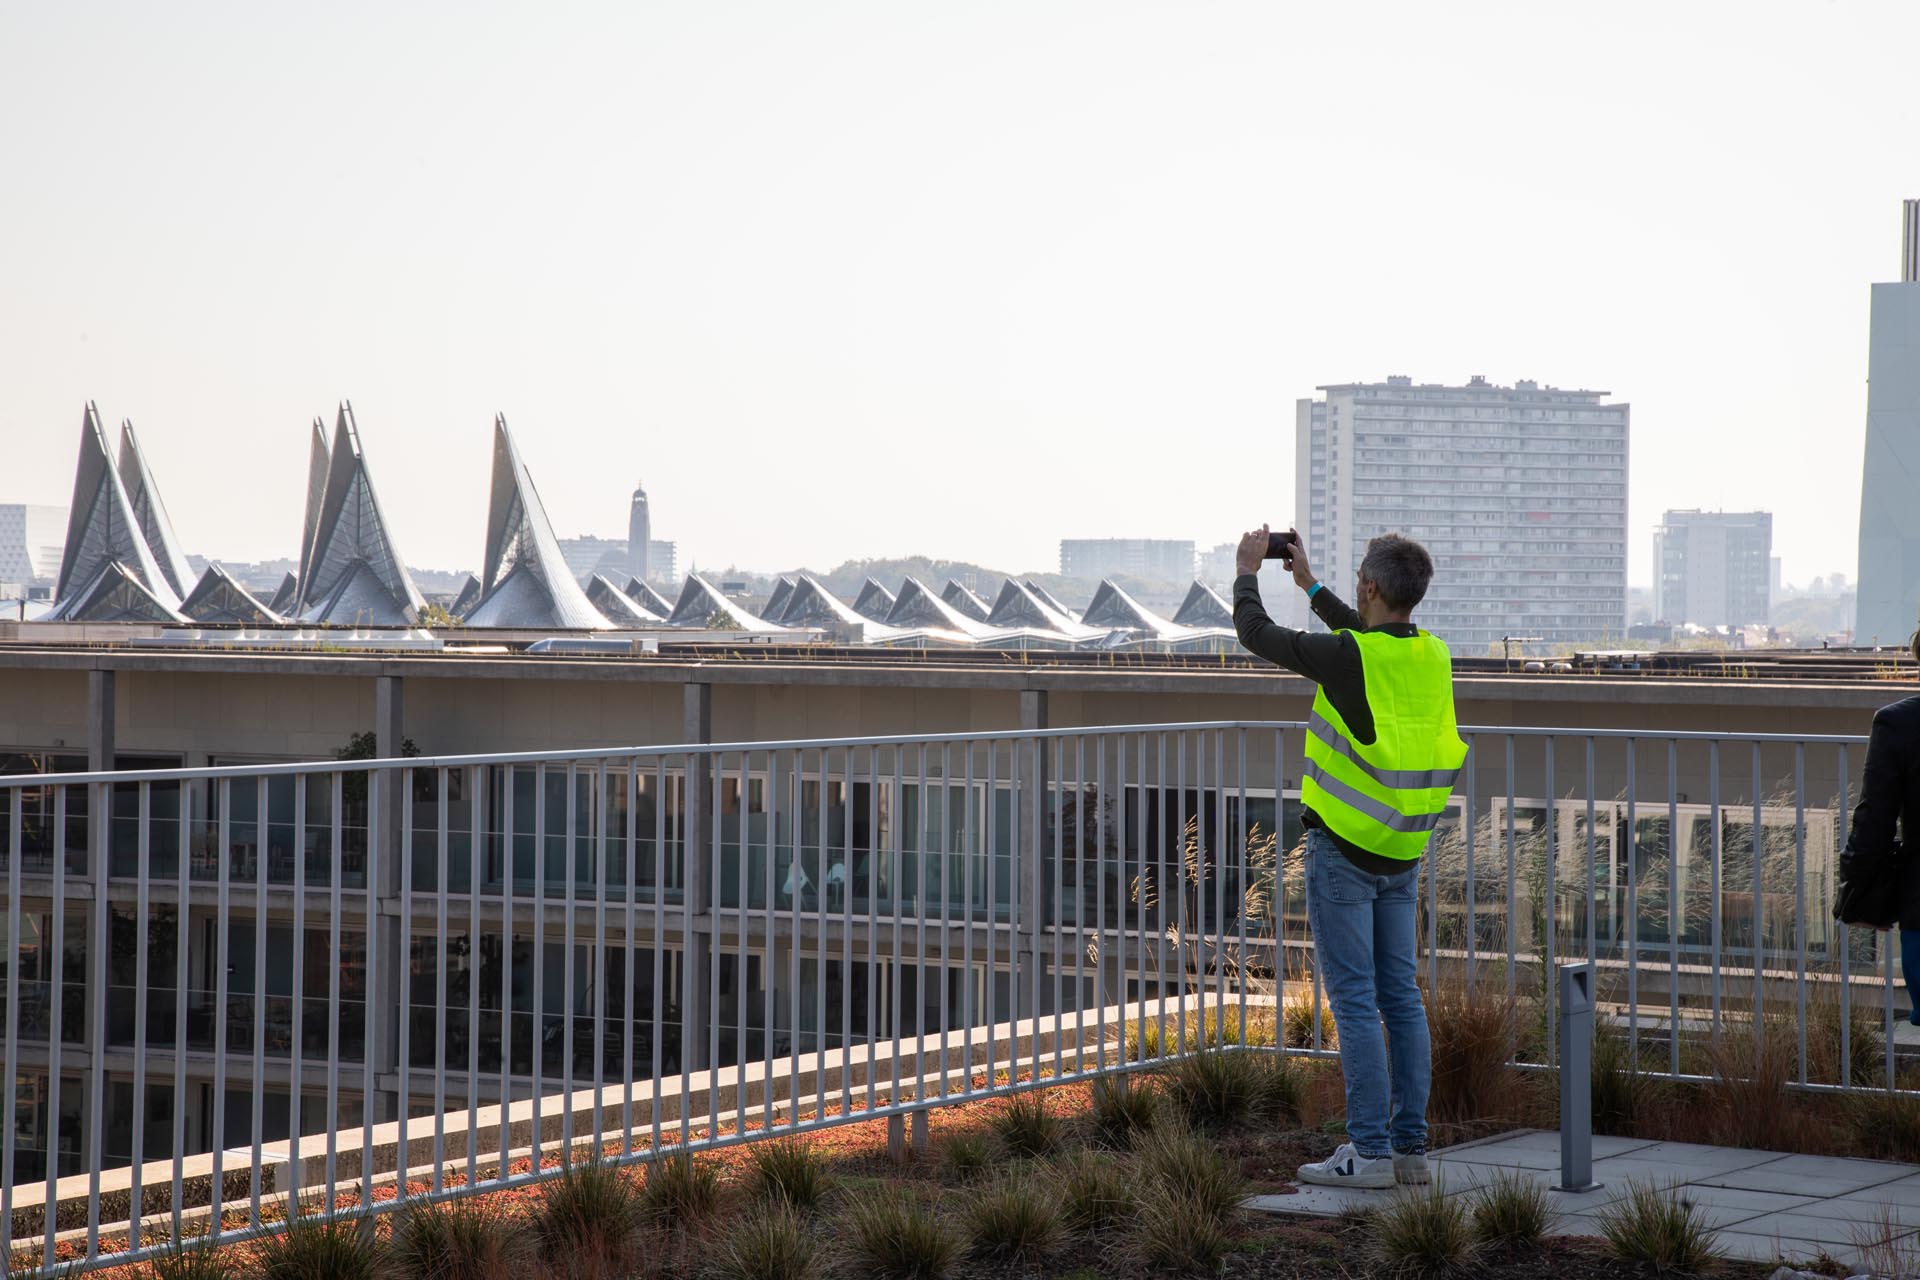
<point x="1519" y="492"/>
<point x="1889" y="602"/>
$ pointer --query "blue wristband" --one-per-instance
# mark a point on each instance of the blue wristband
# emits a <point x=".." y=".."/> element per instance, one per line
<point x="1315" y="587"/>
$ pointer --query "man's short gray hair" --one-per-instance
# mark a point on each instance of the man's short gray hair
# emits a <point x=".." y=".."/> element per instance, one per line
<point x="1399" y="568"/>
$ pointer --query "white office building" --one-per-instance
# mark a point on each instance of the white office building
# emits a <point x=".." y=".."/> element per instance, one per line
<point x="1161" y="559"/>
<point x="31" y="538"/>
<point x="1713" y="568"/>
<point x="1519" y="492"/>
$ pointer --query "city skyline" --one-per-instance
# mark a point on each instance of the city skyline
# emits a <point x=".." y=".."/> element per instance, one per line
<point x="1126" y="254"/>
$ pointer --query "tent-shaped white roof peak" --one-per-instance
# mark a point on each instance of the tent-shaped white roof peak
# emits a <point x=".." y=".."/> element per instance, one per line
<point x="918" y="608"/>
<point x="150" y="513"/>
<point x="355" y="573"/>
<point x="219" y="597"/>
<point x="1115" y="610"/>
<point x="524" y="580"/>
<point x="775" y="608"/>
<point x="647" y="598"/>
<point x="621" y="609"/>
<point x="319" y="462"/>
<point x="874" y="602"/>
<point x="956" y="594"/>
<point x="105" y="546"/>
<point x="1204" y="607"/>
<point x="1021" y="605"/>
<point x="702" y="604"/>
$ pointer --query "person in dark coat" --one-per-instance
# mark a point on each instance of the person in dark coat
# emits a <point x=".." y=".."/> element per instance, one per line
<point x="1890" y="798"/>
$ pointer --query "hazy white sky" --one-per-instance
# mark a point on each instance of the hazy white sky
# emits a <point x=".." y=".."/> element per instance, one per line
<point x="844" y="279"/>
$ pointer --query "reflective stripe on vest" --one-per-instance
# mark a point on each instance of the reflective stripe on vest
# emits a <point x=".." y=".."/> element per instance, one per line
<point x="1387" y="797"/>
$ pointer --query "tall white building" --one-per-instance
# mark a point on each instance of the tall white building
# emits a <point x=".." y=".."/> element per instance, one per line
<point x="31" y="539"/>
<point x="1519" y="492"/>
<point x="1713" y="568"/>
<point x="1889" y="602"/>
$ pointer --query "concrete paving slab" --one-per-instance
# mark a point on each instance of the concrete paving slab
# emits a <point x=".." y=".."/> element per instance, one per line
<point x="1604" y="1145"/>
<point x="1811" y="1175"/>
<point x="1822" y="1228"/>
<point x="1692" y="1160"/>
<point x="1320" y="1202"/>
<point x="1904" y="1192"/>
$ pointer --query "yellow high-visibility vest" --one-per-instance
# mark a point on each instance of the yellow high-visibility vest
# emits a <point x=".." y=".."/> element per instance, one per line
<point x="1387" y="796"/>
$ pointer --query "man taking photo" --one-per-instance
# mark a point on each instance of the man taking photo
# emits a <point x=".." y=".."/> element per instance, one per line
<point x="1382" y="755"/>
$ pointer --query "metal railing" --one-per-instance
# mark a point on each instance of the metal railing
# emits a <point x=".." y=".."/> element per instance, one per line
<point x="344" y="986"/>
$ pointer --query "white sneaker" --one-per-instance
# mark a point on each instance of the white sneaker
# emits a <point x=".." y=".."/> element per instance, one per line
<point x="1410" y="1168"/>
<point x="1348" y="1168"/>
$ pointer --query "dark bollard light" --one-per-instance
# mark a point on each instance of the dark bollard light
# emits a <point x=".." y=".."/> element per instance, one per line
<point x="1576" y="1078"/>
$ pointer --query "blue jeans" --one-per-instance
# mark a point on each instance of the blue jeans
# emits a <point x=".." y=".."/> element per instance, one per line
<point x="1364" y="935"/>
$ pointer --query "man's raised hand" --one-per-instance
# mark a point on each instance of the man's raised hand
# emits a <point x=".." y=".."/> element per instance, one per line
<point x="1252" y="550"/>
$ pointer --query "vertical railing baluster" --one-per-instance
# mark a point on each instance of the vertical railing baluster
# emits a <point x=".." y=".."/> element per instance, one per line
<point x="136" y="1191"/>
<point x="1551" y="908"/>
<point x="476" y="838"/>
<point x="1842" y="810"/>
<point x="820" y="938"/>
<point x="1512" y="887"/>
<point x="182" y="937"/>
<point x="508" y="860"/>
<point x="846" y="931"/>
<point x="770" y="918"/>
<point x="796" y="872"/>
<point x="1160" y="894"/>
<point x="223" y="928"/>
<point x="1103" y="957"/>
<point x="1717" y="849"/>
<point x="442" y="837"/>
<point x="1590" y="891"/>
<point x="943" y="929"/>
<point x="100" y="830"/>
<point x="336" y="827"/>
<point x="403" y="1152"/>
<point x="600" y="965"/>
<point x="1080" y="900"/>
<point x="924" y="855"/>
<point x="899" y="861"/>
<point x="1800" y="898"/>
<point x="262" y="851"/>
<point x="1759" y="846"/>
<point x="1182" y="925"/>
<point x="538" y="1034"/>
<point x="9" y="1172"/>
<point x="742" y="923"/>
<point x="1674" y="890"/>
<point x="378" y="801"/>
<point x="1633" y="906"/>
<point x="569" y="871"/>
<point x="970" y="1012"/>
<point x="660" y="947"/>
<point x="873" y="923"/>
<point x="296" y="1050"/>
<point x="1470" y="821"/>
<point x="1056" y="783"/>
<point x="713" y="767"/>
<point x="630" y="955"/>
<point x="1240" y="886"/>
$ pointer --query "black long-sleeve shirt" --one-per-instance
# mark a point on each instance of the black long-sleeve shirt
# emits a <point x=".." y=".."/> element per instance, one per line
<point x="1330" y="660"/>
<point x="1890" y="800"/>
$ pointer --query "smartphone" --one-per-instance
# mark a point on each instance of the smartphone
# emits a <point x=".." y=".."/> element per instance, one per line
<point x="1279" y="547"/>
